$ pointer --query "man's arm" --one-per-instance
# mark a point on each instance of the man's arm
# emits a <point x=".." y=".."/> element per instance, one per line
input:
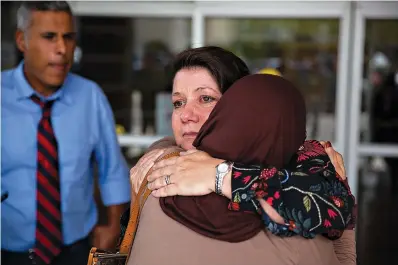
<point x="113" y="176"/>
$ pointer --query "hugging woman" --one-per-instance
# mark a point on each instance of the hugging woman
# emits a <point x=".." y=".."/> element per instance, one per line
<point x="304" y="197"/>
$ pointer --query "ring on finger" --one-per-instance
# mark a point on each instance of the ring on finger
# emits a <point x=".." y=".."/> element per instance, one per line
<point x="167" y="179"/>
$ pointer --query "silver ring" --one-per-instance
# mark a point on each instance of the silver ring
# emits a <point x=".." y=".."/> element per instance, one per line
<point x="167" y="179"/>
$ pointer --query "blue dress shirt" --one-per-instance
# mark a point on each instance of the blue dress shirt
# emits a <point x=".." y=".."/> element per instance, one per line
<point x="84" y="125"/>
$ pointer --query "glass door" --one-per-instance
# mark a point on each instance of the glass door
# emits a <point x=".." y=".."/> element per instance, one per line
<point x="375" y="63"/>
<point x="306" y="42"/>
<point x="372" y="143"/>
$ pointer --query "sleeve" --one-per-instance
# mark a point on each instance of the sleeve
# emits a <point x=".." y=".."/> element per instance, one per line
<point x="309" y="195"/>
<point x="113" y="171"/>
<point x="165" y="142"/>
<point x="345" y="248"/>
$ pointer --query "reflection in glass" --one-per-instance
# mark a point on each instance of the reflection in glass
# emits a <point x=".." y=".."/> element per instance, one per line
<point x="126" y="57"/>
<point x="9" y="55"/>
<point x="303" y="50"/>
<point x="376" y="213"/>
<point x="156" y="42"/>
<point x="379" y="121"/>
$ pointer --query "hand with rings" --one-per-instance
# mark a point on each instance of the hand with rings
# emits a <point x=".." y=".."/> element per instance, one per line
<point x="167" y="179"/>
<point x="191" y="174"/>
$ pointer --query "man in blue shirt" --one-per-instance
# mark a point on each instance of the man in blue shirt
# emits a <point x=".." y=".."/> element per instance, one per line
<point x="53" y="124"/>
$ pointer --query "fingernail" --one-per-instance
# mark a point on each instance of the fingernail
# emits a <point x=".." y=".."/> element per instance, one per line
<point x="328" y="144"/>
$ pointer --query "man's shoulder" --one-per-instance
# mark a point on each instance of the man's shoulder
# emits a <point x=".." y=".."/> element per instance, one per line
<point x="82" y="83"/>
<point x="7" y="71"/>
<point x="6" y="78"/>
<point x="86" y="90"/>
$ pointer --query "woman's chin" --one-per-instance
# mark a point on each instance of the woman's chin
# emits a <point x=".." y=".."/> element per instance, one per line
<point x="187" y="145"/>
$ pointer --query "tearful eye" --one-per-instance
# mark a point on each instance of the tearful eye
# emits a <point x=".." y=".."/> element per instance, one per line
<point x="207" y="99"/>
<point x="177" y="104"/>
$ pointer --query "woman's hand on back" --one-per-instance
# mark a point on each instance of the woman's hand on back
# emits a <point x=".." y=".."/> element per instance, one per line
<point x="191" y="174"/>
<point x="336" y="158"/>
<point x="141" y="169"/>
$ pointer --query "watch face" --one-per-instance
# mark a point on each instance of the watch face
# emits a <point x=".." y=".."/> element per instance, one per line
<point x="223" y="167"/>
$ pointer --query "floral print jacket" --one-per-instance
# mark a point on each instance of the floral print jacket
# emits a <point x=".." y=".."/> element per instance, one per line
<point x="309" y="194"/>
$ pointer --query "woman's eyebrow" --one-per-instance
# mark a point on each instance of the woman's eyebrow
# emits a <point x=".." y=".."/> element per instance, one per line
<point x="198" y="89"/>
<point x="206" y="87"/>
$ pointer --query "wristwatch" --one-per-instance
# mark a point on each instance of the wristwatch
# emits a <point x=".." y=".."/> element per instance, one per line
<point x="222" y="170"/>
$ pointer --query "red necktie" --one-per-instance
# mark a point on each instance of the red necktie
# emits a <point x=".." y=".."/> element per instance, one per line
<point x="48" y="213"/>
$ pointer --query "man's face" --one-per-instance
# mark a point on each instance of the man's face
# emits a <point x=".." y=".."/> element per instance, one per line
<point x="48" y="46"/>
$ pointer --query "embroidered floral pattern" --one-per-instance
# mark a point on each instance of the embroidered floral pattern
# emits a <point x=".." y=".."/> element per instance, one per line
<point x="310" y="196"/>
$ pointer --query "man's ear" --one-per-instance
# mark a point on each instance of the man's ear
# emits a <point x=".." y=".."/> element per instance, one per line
<point x="20" y="40"/>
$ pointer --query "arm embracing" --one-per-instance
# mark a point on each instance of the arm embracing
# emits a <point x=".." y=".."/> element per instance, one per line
<point x="309" y="195"/>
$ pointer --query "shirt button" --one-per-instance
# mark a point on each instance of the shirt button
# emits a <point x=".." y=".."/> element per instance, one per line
<point x="31" y="254"/>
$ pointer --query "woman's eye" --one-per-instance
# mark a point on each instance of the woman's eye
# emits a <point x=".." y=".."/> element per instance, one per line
<point x="207" y="99"/>
<point x="177" y="104"/>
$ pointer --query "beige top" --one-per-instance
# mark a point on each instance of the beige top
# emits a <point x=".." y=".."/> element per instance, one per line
<point x="155" y="225"/>
<point x="161" y="240"/>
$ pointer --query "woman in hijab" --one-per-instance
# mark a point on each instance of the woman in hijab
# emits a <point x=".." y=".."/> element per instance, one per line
<point x="204" y="227"/>
<point x="209" y="72"/>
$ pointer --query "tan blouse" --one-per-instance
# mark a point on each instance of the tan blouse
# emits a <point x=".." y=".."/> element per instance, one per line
<point x="156" y="226"/>
<point x="161" y="240"/>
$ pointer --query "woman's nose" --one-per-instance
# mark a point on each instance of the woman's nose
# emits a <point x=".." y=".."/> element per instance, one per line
<point x="189" y="114"/>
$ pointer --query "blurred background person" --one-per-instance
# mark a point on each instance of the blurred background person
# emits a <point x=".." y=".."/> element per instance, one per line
<point x="385" y="121"/>
<point x="150" y="80"/>
<point x="54" y="126"/>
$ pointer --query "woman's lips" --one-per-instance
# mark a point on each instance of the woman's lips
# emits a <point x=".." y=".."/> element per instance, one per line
<point x="190" y="134"/>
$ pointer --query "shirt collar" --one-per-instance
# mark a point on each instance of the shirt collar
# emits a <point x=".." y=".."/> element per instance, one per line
<point x="25" y="90"/>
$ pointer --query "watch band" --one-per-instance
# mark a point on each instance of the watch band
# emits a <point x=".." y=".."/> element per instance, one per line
<point x="220" y="177"/>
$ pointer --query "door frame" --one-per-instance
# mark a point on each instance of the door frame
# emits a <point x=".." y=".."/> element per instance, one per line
<point x="198" y="11"/>
<point x="355" y="149"/>
<point x="287" y="10"/>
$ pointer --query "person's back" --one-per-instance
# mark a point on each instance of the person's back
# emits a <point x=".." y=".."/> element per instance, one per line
<point x="161" y="240"/>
